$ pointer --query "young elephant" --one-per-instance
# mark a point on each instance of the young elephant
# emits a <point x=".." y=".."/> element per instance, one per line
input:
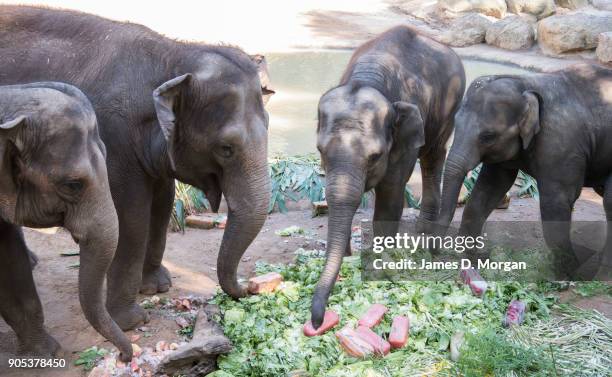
<point x="395" y="103"/>
<point x="53" y="173"/>
<point x="556" y="127"/>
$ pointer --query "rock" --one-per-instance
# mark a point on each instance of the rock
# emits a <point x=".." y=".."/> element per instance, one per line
<point x="538" y="8"/>
<point x="467" y="30"/>
<point x="495" y="8"/>
<point x="199" y="356"/>
<point x="572" y="4"/>
<point x="602" y="4"/>
<point x="511" y="33"/>
<point x="604" y="47"/>
<point x="572" y="32"/>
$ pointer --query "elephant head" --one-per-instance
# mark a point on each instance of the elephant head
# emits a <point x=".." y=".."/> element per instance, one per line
<point x="498" y="119"/>
<point x="53" y="173"/>
<point x="215" y="126"/>
<point x="359" y="134"/>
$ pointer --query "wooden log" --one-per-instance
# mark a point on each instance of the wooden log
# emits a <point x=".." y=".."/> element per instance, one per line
<point x="199" y="356"/>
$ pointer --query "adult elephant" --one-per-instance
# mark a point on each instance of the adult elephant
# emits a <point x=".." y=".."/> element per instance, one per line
<point x="44" y="186"/>
<point x="167" y="110"/>
<point x="395" y="103"/>
<point x="556" y="127"/>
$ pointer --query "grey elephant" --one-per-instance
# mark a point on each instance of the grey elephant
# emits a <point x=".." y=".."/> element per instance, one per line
<point x="557" y="127"/>
<point x="395" y="103"/>
<point x="167" y="110"/>
<point x="53" y="173"/>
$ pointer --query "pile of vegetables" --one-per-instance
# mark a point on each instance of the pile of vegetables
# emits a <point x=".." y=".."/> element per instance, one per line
<point x="266" y="330"/>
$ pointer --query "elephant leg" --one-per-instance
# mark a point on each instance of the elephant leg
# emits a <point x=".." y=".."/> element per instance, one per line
<point x="431" y="171"/>
<point x="492" y="184"/>
<point x="19" y="302"/>
<point x="155" y="277"/>
<point x="604" y="273"/>
<point x="389" y="202"/>
<point x="556" y="202"/>
<point x="133" y="203"/>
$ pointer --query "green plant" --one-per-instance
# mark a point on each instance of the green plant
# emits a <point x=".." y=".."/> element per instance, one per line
<point x="187" y="200"/>
<point x="89" y="357"/>
<point x="528" y="186"/>
<point x="491" y="353"/>
<point x="294" y="178"/>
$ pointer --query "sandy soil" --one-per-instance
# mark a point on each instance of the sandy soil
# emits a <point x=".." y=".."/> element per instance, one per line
<point x="191" y="257"/>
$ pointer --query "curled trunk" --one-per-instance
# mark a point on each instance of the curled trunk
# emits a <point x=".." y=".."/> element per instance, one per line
<point x="343" y="192"/>
<point x="248" y="195"/>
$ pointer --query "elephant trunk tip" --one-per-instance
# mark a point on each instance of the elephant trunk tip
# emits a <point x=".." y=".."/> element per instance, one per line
<point x="317" y="311"/>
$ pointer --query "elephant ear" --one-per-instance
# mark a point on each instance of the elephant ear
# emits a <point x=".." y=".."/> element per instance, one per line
<point x="529" y="125"/>
<point x="264" y="77"/>
<point x="408" y="130"/>
<point x="165" y="98"/>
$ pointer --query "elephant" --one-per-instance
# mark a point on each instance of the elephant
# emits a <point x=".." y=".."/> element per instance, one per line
<point x="556" y="127"/>
<point x="395" y="103"/>
<point x="167" y="110"/>
<point x="43" y="186"/>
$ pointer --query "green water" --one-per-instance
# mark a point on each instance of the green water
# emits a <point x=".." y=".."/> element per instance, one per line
<point x="300" y="78"/>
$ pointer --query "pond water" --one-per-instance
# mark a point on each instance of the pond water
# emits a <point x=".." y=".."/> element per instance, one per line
<point x="300" y="78"/>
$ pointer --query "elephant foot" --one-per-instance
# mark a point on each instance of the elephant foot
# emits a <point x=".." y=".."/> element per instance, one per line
<point x="47" y="347"/>
<point x="604" y="273"/>
<point x="129" y="317"/>
<point x="155" y="280"/>
<point x="425" y="226"/>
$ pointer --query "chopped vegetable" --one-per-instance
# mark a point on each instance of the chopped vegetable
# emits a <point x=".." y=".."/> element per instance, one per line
<point x="373" y="316"/>
<point x="381" y="346"/>
<point x="265" y="283"/>
<point x="353" y="344"/>
<point x="515" y="315"/>
<point x="400" y="328"/>
<point x="330" y="319"/>
<point x="472" y="278"/>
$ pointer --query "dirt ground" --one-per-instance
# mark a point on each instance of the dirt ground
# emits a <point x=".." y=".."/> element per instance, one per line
<point x="191" y="258"/>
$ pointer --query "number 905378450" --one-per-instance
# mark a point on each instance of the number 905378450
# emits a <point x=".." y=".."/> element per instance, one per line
<point x="36" y="363"/>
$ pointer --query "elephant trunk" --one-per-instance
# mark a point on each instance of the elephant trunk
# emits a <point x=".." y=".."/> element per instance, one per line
<point x="98" y="242"/>
<point x="247" y="191"/>
<point x="456" y="168"/>
<point x="343" y="192"/>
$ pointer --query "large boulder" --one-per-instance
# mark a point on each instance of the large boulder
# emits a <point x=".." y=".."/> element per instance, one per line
<point x="602" y="4"/>
<point x="572" y="4"/>
<point x="495" y="8"/>
<point x="604" y="47"/>
<point x="511" y="33"/>
<point x="572" y="32"/>
<point x="538" y="8"/>
<point x="467" y="30"/>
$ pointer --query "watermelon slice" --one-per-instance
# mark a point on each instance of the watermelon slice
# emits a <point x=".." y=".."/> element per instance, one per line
<point x="330" y="320"/>
<point x="373" y="316"/>
<point x="265" y="283"/>
<point x="400" y="328"/>
<point x="381" y="346"/>
<point x="353" y="344"/>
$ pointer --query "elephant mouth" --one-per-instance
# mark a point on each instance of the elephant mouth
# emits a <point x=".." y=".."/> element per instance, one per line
<point x="212" y="190"/>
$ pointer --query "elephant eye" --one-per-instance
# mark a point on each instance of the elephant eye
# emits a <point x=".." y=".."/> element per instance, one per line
<point x="73" y="186"/>
<point x="487" y="137"/>
<point x="374" y="157"/>
<point x="227" y="151"/>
